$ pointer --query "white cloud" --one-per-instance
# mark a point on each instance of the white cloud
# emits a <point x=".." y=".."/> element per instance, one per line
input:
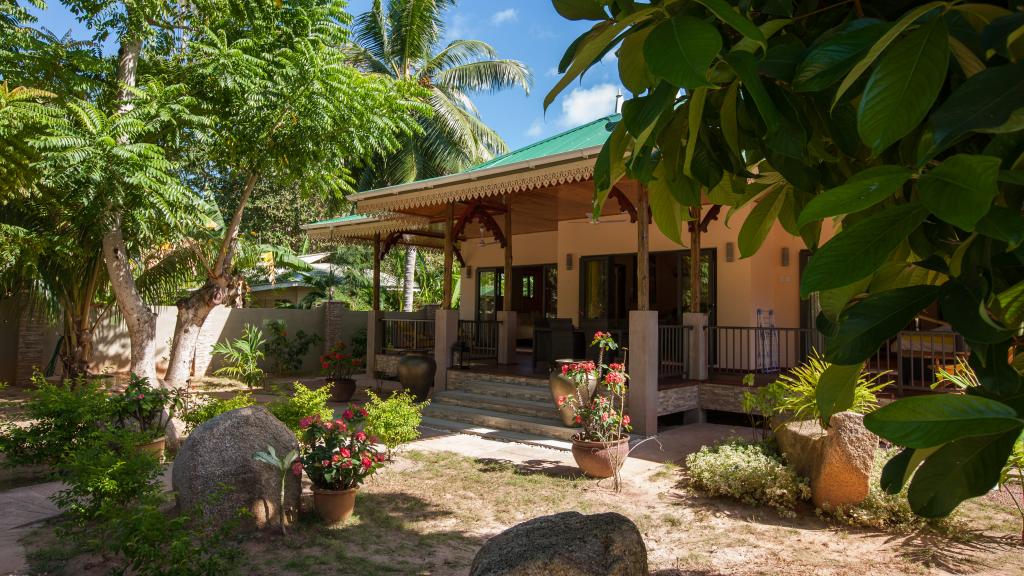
<point x="553" y="72"/>
<point x="504" y="16"/>
<point x="585" y="104"/>
<point x="536" y="129"/>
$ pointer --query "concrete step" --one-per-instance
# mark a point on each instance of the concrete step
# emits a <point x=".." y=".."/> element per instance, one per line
<point x="494" y="433"/>
<point x="543" y="409"/>
<point x="455" y="375"/>
<point x="547" y="427"/>
<point x="503" y="390"/>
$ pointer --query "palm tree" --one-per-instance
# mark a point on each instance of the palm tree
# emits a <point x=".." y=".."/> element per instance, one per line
<point x="404" y="41"/>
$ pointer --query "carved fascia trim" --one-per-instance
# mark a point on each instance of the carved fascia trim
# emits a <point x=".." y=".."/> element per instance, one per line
<point x="365" y="229"/>
<point x="524" y="181"/>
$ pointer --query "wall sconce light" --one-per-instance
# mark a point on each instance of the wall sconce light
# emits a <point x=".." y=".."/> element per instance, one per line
<point x="785" y="256"/>
<point x="730" y="251"/>
<point x="568" y="261"/>
<point x="469" y="271"/>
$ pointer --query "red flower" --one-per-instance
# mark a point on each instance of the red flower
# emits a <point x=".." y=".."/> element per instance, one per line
<point x="305" y="422"/>
<point x="325" y="463"/>
<point x="360" y="436"/>
<point x="325" y="365"/>
<point x="140" y="396"/>
<point x="625" y="420"/>
<point x="363" y="412"/>
<point x="560" y="401"/>
<point x="297" y="468"/>
<point x="367" y="463"/>
<point x="335" y="458"/>
<point x="380" y="457"/>
<point x="347" y="415"/>
<point x="579" y="419"/>
<point x="616" y="367"/>
<point x="345" y="453"/>
<point x="337" y="356"/>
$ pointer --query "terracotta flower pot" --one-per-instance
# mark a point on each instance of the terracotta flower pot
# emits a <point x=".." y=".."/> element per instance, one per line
<point x="342" y="389"/>
<point x="334" y="506"/>
<point x="564" y="386"/>
<point x="600" y="459"/>
<point x="154" y="447"/>
<point x="416" y="373"/>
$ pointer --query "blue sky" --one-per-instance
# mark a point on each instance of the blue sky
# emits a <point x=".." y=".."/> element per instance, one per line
<point x="527" y="30"/>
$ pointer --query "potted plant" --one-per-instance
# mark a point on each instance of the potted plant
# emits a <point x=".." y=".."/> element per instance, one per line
<point x="338" y="457"/>
<point x="147" y="410"/>
<point x="602" y="445"/>
<point x="570" y="375"/>
<point x="338" y="368"/>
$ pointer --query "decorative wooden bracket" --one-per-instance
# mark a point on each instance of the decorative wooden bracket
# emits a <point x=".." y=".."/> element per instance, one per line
<point x="624" y="204"/>
<point x="477" y="211"/>
<point x="709" y="216"/>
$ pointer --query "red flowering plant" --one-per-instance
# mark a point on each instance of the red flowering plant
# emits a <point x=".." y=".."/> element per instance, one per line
<point x="338" y="454"/>
<point x="337" y="364"/>
<point x="601" y="415"/>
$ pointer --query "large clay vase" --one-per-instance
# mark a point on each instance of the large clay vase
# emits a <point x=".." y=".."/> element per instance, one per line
<point x="563" y="386"/>
<point x="416" y="373"/>
<point x="153" y="447"/>
<point x="342" y="389"/>
<point x="600" y="459"/>
<point x="334" y="506"/>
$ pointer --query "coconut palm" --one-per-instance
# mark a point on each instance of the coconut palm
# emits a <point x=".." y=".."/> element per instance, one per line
<point x="404" y="40"/>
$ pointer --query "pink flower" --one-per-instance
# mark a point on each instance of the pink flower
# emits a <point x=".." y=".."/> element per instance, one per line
<point x="297" y="468"/>
<point x="625" y="420"/>
<point x="345" y="453"/>
<point x="347" y="415"/>
<point x="335" y="458"/>
<point x="346" y="464"/>
<point x="367" y="462"/>
<point x="327" y="425"/>
<point x="604" y="417"/>
<point x="363" y="412"/>
<point x="360" y="436"/>
<point x="560" y="401"/>
<point x="616" y="367"/>
<point x="565" y="369"/>
<point x="305" y="422"/>
<point x="140" y="396"/>
<point x="325" y="463"/>
<point x="380" y="457"/>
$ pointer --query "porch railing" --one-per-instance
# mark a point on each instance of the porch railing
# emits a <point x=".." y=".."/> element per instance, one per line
<point x="400" y="334"/>
<point x="674" y="351"/>
<point x="479" y="339"/>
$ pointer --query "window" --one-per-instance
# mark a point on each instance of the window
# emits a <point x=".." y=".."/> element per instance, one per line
<point x="489" y="293"/>
<point x="528" y="282"/>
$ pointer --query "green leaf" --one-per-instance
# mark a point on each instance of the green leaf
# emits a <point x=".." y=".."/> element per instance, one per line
<point x="640" y="113"/>
<point x="1003" y="224"/>
<point x="903" y="86"/>
<point x="961" y="189"/>
<point x="862" y="190"/>
<point x="580" y="9"/>
<point x="759" y="222"/>
<point x="985" y="100"/>
<point x="745" y="66"/>
<point x="728" y="15"/>
<point x="933" y="420"/>
<point x="834" y="301"/>
<point x="827" y="62"/>
<point x="963" y="306"/>
<point x="666" y="196"/>
<point x="836" y="387"/>
<point x="898" y="470"/>
<point x="869" y="323"/>
<point x="883" y="43"/>
<point x="632" y="66"/>
<point x="695" y="114"/>
<point x="1011" y="304"/>
<point x="609" y="167"/>
<point x="959" y="470"/>
<point x="859" y="250"/>
<point x="727" y="117"/>
<point x="680" y="50"/>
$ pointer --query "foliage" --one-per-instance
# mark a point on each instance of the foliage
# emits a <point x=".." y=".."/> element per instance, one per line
<point x="283" y="465"/>
<point x="337" y="364"/>
<point x="286" y="354"/>
<point x="797" y="390"/>
<point x="602" y="420"/>
<point x="751" y="473"/>
<point x="1012" y="479"/>
<point x="300" y="404"/>
<point x="210" y="407"/>
<point x="338" y="455"/>
<point x="242" y="357"/>
<point x="63" y="416"/>
<point x="805" y="114"/>
<point x="394" y="420"/>
<point x="146" y="409"/>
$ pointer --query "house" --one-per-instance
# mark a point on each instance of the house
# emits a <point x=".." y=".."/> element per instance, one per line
<point x="541" y="273"/>
<point x="303" y="289"/>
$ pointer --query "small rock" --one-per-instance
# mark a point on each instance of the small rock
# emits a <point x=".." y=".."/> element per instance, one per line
<point x="565" y="544"/>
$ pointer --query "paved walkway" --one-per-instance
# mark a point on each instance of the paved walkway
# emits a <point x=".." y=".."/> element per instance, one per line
<point x="24" y="508"/>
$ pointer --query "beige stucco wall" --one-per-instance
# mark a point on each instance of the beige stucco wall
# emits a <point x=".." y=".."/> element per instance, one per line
<point x="743" y="285"/>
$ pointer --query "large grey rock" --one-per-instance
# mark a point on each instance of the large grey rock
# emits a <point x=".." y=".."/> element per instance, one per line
<point x="566" y="544"/>
<point x="837" y="461"/>
<point x="215" y="471"/>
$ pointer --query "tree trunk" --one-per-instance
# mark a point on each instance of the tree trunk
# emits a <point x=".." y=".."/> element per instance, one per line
<point x="410" y="279"/>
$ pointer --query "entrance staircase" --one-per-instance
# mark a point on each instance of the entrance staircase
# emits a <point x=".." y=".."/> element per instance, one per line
<point x="510" y="408"/>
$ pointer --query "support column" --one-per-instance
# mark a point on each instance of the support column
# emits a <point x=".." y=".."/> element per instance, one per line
<point x="449" y="244"/>
<point x="374" y="339"/>
<point x="376" y="272"/>
<point x="507" y="316"/>
<point x="697" y="341"/>
<point x="643" y="371"/>
<point x="446" y="332"/>
<point x="643" y="262"/>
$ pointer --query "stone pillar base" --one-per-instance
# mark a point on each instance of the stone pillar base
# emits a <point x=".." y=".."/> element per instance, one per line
<point x="446" y="332"/>
<point x="507" y="336"/>
<point x="697" y="338"/>
<point x="643" y="371"/>
<point x="374" y="339"/>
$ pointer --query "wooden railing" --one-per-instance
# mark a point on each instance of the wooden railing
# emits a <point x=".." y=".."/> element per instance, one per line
<point x="674" y="351"/>
<point x="479" y="339"/>
<point x="399" y="334"/>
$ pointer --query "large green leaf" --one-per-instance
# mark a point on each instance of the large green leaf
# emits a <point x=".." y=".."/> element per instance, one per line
<point x="883" y="43"/>
<point x="669" y="191"/>
<point x="900" y="468"/>
<point x="759" y="222"/>
<point x="725" y="12"/>
<point x="984" y="101"/>
<point x="963" y="306"/>
<point x="836" y="387"/>
<point x="862" y="190"/>
<point x="961" y="189"/>
<point x="826" y="62"/>
<point x="727" y="118"/>
<point x="632" y="66"/>
<point x="680" y="50"/>
<point x="933" y="420"/>
<point x="859" y="250"/>
<point x="1002" y="224"/>
<point x="869" y="323"/>
<point x="745" y="66"/>
<point x="903" y="86"/>
<point x="834" y="301"/>
<point x="959" y="470"/>
<point x="609" y="167"/>
<point x="581" y="9"/>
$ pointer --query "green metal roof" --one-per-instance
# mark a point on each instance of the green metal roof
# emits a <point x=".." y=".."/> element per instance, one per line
<point x="341" y="219"/>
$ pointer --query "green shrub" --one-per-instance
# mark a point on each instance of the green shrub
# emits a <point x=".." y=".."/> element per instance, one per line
<point x="396" y="420"/>
<point x="286" y="354"/>
<point x="63" y="415"/>
<point x="751" y="473"/>
<point x="242" y="357"/>
<point x="303" y="402"/>
<point x="209" y="407"/>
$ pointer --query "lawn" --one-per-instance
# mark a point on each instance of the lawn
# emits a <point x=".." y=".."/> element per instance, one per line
<point x="430" y="511"/>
